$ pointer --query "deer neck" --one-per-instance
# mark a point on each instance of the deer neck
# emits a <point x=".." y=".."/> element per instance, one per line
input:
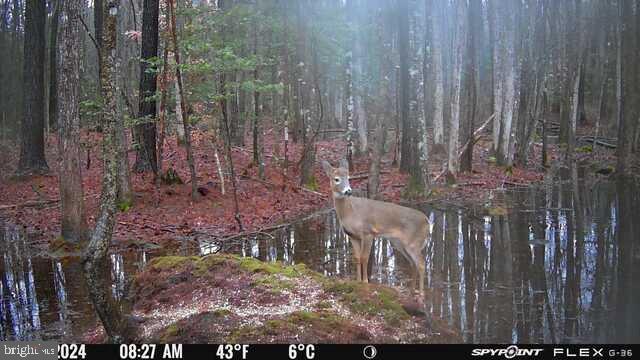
<point x="344" y="206"/>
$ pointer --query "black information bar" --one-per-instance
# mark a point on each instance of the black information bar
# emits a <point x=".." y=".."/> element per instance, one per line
<point x="335" y="352"/>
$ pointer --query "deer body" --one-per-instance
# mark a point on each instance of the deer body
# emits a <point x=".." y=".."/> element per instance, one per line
<point x="363" y="219"/>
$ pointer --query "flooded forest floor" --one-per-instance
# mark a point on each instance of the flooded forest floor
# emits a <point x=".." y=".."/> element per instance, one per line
<point x="160" y="215"/>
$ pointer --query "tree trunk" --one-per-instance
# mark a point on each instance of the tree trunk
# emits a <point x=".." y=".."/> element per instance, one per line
<point x="510" y="86"/>
<point x="438" y="95"/>
<point x="474" y="16"/>
<point x="384" y="111"/>
<point x="628" y="96"/>
<point x="179" y="122"/>
<point x="73" y="221"/>
<point x="453" y="165"/>
<point x="53" y="69"/>
<point x="183" y="108"/>
<point x="95" y="257"/>
<point x="162" y="121"/>
<point x="496" y="19"/>
<point x="98" y="23"/>
<point x="348" y="92"/>
<point x="403" y="51"/>
<point x="257" y="126"/>
<point x="32" y="159"/>
<point x="145" y="131"/>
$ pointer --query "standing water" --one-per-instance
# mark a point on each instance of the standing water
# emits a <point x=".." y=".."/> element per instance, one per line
<point x="555" y="263"/>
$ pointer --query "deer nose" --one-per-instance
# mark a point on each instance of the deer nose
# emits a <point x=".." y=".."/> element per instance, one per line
<point x="348" y="191"/>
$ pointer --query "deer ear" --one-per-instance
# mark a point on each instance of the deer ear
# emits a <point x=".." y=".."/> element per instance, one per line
<point x="344" y="164"/>
<point x="328" y="169"/>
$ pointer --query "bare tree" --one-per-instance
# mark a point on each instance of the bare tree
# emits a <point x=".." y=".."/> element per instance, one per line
<point x="145" y="131"/>
<point x="74" y="224"/>
<point x="32" y="159"/>
<point x="183" y="108"/>
<point x="460" y="37"/>
<point x="438" y="94"/>
<point x="627" y="84"/>
<point x="53" y="70"/>
<point x="95" y="258"/>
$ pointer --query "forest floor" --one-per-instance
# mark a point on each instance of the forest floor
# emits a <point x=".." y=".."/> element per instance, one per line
<point x="160" y="215"/>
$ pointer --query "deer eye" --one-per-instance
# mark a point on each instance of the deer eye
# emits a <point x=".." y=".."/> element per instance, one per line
<point x="337" y="180"/>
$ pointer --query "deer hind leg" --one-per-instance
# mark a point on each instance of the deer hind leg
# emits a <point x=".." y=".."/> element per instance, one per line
<point x="413" y="253"/>
<point x="420" y="268"/>
<point x="367" y="243"/>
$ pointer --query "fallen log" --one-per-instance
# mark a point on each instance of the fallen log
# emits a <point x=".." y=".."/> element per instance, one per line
<point x="598" y="141"/>
<point x="29" y="204"/>
<point x="365" y="175"/>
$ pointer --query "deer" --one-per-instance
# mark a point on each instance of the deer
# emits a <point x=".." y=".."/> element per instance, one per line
<point x="364" y="219"/>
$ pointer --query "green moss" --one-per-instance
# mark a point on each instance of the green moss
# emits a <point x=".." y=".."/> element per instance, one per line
<point x="171" y="262"/>
<point x="125" y="205"/>
<point x="221" y="312"/>
<point x="369" y="300"/>
<point x="323" y="323"/>
<point x="312" y="184"/>
<point x="274" y="283"/>
<point x="584" y="149"/>
<point x="414" y="189"/>
<point x="498" y="211"/>
<point x="323" y="305"/>
<point x="257" y="266"/>
<point x="171" y="177"/>
<point x="170" y="332"/>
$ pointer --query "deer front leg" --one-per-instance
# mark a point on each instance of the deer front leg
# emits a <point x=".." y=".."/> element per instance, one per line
<point x="367" y="242"/>
<point x="357" y="257"/>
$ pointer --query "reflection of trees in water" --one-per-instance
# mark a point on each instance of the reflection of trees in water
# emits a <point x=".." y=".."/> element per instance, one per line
<point x="556" y="268"/>
<point x="19" y="306"/>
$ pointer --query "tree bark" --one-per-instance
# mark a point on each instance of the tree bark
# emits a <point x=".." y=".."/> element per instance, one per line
<point x="53" y="69"/>
<point x="438" y="95"/>
<point x="474" y="16"/>
<point x="96" y="254"/>
<point x="453" y="165"/>
<point x="74" y="224"/>
<point x="145" y="131"/>
<point x="628" y="96"/>
<point x="403" y="51"/>
<point x="257" y="126"/>
<point x="32" y="160"/>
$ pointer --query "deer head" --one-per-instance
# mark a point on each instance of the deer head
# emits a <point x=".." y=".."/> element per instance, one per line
<point x="339" y="178"/>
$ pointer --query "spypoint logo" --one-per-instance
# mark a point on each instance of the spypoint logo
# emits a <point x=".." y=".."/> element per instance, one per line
<point x="509" y="352"/>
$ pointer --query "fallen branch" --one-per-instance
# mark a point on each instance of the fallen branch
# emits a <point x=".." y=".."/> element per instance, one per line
<point x="35" y="203"/>
<point x="147" y="226"/>
<point x="275" y="185"/>
<point x="247" y="177"/>
<point x="468" y="143"/>
<point x="512" y="183"/>
<point x="365" y="175"/>
<point x="598" y="141"/>
<point x="29" y="204"/>
<point x="474" y="136"/>
<point x="472" y="183"/>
